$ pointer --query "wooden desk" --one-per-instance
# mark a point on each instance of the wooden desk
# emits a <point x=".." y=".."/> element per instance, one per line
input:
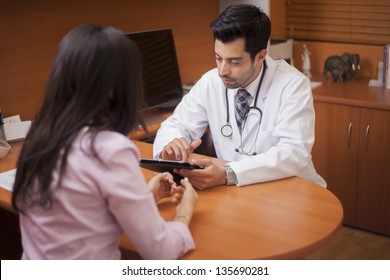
<point x="284" y="219"/>
<point x="8" y="163"/>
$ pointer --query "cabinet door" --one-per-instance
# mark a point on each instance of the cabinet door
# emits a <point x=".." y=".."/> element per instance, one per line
<point x="335" y="152"/>
<point x="373" y="201"/>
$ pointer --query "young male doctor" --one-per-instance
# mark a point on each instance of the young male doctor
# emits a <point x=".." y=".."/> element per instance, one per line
<point x="259" y="111"/>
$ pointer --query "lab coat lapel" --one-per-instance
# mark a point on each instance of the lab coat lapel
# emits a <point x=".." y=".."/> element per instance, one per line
<point x="254" y="117"/>
<point x="252" y="123"/>
<point x="268" y="77"/>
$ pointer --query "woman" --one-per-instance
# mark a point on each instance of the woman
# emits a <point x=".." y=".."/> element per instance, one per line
<point x="78" y="185"/>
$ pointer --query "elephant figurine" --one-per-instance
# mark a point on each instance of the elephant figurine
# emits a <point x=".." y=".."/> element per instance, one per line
<point x="351" y="64"/>
<point x="335" y="65"/>
<point x="341" y="67"/>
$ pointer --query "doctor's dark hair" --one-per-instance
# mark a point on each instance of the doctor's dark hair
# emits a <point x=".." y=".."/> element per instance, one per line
<point x="243" y="21"/>
<point x="95" y="82"/>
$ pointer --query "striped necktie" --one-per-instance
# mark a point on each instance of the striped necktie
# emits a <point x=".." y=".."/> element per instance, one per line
<point x="243" y="99"/>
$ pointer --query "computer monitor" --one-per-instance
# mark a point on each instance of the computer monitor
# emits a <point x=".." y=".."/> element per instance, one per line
<point x="161" y="76"/>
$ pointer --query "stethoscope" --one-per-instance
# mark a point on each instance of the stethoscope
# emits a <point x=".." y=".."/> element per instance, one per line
<point x="227" y="129"/>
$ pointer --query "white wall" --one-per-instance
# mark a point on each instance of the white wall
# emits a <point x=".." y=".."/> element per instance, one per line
<point x="263" y="4"/>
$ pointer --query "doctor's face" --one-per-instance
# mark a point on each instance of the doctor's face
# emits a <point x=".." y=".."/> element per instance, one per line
<point x="235" y="66"/>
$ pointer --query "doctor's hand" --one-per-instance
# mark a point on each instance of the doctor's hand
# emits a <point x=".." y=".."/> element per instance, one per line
<point x="212" y="175"/>
<point x="179" y="149"/>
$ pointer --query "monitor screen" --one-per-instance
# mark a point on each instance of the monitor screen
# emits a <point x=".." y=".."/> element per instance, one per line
<point x="161" y="76"/>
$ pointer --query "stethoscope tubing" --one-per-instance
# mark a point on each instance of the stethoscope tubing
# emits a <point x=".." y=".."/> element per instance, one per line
<point x="226" y="129"/>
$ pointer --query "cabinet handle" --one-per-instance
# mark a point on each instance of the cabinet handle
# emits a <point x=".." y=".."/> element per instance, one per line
<point x="349" y="134"/>
<point x="367" y="134"/>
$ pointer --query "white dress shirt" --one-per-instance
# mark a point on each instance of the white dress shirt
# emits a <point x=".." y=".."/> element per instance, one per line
<point x="282" y="139"/>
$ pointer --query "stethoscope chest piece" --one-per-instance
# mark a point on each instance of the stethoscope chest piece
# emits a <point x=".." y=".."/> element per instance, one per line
<point x="227" y="130"/>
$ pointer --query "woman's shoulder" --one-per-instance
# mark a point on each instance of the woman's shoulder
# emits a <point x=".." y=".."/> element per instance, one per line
<point x="113" y="137"/>
<point x="106" y="142"/>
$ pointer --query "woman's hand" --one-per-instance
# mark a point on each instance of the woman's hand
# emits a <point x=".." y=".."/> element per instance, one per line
<point x="185" y="196"/>
<point x="162" y="185"/>
<point x="185" y="208"/>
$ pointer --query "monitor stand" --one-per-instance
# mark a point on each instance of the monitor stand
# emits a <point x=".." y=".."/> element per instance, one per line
<point x="151" y="117"/>
<point x="150" y="122"/>
<point x="169" y="106"/>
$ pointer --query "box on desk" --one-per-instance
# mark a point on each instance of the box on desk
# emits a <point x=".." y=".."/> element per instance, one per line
<point x="14" y="129"/>
<point x="281" y="49"/>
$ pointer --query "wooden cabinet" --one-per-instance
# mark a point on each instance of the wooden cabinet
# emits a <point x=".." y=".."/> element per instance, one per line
<point x="335" y="152"/>
<point x="373" y="200"/>
<point x="352" y="151"/>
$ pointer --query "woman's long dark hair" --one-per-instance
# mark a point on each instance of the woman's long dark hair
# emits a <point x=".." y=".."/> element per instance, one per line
<point x="95" y="81"/>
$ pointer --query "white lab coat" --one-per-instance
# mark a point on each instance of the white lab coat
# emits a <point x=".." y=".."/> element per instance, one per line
<point x="286" y="135"/>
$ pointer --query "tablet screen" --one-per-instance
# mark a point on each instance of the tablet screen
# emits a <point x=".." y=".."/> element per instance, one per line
<point x="159" y="165"/>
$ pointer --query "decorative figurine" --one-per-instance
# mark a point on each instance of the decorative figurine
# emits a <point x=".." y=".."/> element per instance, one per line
<point x="306" y="61"/>
<point x="342" y="66"/>
<point x="351" y="64"/>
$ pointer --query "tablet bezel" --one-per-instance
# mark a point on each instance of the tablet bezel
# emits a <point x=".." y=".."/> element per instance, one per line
<point x="160" y="165"/>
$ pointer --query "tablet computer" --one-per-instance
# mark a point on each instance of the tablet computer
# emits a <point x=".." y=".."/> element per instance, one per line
<point x="160" y="165"/>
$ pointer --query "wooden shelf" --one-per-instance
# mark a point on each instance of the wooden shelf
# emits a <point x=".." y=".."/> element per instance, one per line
<point x="352" y="93"/>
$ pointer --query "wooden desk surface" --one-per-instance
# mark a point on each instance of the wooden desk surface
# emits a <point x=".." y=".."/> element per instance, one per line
<point x="352" y="93"/>
<point x="7" y="163"/>
<point x="284" y="219"/>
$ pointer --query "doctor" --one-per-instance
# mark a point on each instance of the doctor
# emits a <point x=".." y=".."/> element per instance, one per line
<point x="259" y="111"/>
